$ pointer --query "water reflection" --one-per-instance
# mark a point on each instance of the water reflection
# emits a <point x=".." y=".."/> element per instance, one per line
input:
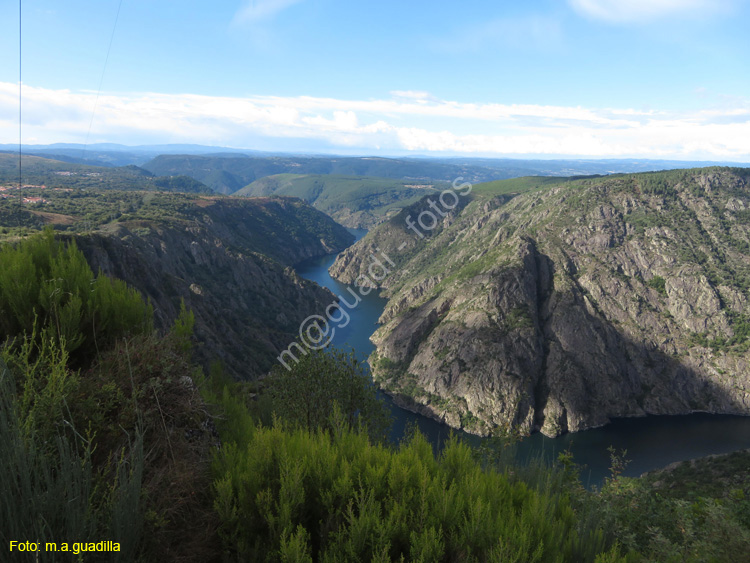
<point x="650" y="442"/>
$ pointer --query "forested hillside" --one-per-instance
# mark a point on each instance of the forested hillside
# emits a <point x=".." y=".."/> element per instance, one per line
<point x="229" y="174"/>
<point x="38" y="171"/>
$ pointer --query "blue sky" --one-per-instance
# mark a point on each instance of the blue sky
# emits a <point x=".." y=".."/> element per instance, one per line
<point x="592" y="78"/>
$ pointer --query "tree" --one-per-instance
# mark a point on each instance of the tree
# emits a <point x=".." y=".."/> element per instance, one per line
<point x="323" y="382"/>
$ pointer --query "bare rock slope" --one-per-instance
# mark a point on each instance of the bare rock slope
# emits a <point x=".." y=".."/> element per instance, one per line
<point x="556" y="307"/>
<point x="231" y="261"/>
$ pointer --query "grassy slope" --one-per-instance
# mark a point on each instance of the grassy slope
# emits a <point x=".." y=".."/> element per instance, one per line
<point x="355" y="200"/>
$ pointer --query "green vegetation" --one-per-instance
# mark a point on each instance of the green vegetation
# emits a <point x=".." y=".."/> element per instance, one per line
<point x="675" y="516"/>
<point x="50" y="492"/>
<point x="101" y="427"/>
<point x="109" y="430"/>
<point x="229" y="174"/>
<point x="322" y="381"/>
<point x="519" y="318"/>
<point x="38" y="171"/>
<point x="659" y="284"/>
<point x="331" y="495"/>
<point x="516" y="186"/>
<point x="49" y="295"/>
<point x="720" y="477"/>
<point x="291" y="492"/>
<point x="271" y="226"/>
<point x="739" y="342"/>
<point x="478" y="266"/>
<point x="84" y="210"/>
<point x="356" y="201"/>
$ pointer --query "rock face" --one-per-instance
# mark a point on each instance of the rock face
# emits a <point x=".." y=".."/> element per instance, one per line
<point x="232" y="266"/>
<point x="567" y="305"/>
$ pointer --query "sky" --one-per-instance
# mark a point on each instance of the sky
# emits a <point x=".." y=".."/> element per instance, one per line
<point x="540" y="78"/>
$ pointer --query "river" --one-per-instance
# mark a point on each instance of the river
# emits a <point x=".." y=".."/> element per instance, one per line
<point x="651" y="442"/>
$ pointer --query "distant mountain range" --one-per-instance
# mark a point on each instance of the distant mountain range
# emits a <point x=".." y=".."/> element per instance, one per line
<point x="112" y="154"/>
<point x="229" y="173"/>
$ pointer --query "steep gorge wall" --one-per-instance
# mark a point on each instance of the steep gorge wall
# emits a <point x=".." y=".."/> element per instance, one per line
<point x="247" y="304"/>
<point x="564" y="307"/>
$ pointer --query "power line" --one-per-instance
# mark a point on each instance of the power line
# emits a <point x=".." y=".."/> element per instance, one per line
<point x="20" y="107"/>
<point x="101" y="79"/>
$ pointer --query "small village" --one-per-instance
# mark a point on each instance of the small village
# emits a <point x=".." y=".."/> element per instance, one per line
<point x="12" y="192"/>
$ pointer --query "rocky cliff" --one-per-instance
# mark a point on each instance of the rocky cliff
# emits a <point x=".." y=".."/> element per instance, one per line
<point x="560" y="307"/>
<point x="230" y="260"/>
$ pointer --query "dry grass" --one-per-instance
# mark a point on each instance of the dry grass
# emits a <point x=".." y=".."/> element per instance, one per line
<point x="54" y="218"/>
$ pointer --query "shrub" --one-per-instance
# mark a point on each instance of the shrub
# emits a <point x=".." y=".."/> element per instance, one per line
<point x="48" y="290"/>
<point x="322" y="381"/>
<point x="296" y="495"/>
<point x="658" y="283"/>
<point x="50" y="492"/>
<point x="95" y="388"/>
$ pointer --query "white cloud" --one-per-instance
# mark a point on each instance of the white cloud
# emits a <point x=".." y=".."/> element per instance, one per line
<point x="418" y="96"/>
<point x="254" y="11"/>
<point x="638" y="11"/>
<point x="406" y="121"/>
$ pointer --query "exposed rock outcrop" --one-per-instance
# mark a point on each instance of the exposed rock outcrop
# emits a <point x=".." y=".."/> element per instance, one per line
<point x="232" y="267"/>
<point x="568" y="305"/>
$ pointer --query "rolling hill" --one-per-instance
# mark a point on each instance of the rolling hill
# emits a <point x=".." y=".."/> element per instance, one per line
<point x="55" y="173"/>
<point x="353" y="201"/>
<point x="229" y="174"/>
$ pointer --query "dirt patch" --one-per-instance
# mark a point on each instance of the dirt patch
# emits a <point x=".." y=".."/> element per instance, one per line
<point x="55" y="218"/>
<point x="205" y="201"/>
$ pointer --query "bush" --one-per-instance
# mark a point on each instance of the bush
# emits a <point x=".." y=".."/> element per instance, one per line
<point x="659" y="284"/>
<point x="48" y="290"/>
<point x="49" y="491"/>
<point x="292" y="495"/>
<point x="664" y="529"/>
<point x="94" y="388"/>
<point x="322" y="381"/>
<point x="329" y="494"/>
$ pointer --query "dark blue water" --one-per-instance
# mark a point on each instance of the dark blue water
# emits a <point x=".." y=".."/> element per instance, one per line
<point x="651" y="442"/>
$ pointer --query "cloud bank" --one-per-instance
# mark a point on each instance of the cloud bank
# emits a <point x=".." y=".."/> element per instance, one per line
<point x="404" y="122"/>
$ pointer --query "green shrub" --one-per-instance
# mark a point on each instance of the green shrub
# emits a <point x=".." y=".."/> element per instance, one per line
<point x="322" y="381"/>
<point x="658" y="283"/>
<point x="94" y="387"/>
<point x="49" y="491"/>
<point x="45" y="382"/>
<point x="48" y="290"/>
<point x="302" y="495"/>
<point x="664" y="529"/>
